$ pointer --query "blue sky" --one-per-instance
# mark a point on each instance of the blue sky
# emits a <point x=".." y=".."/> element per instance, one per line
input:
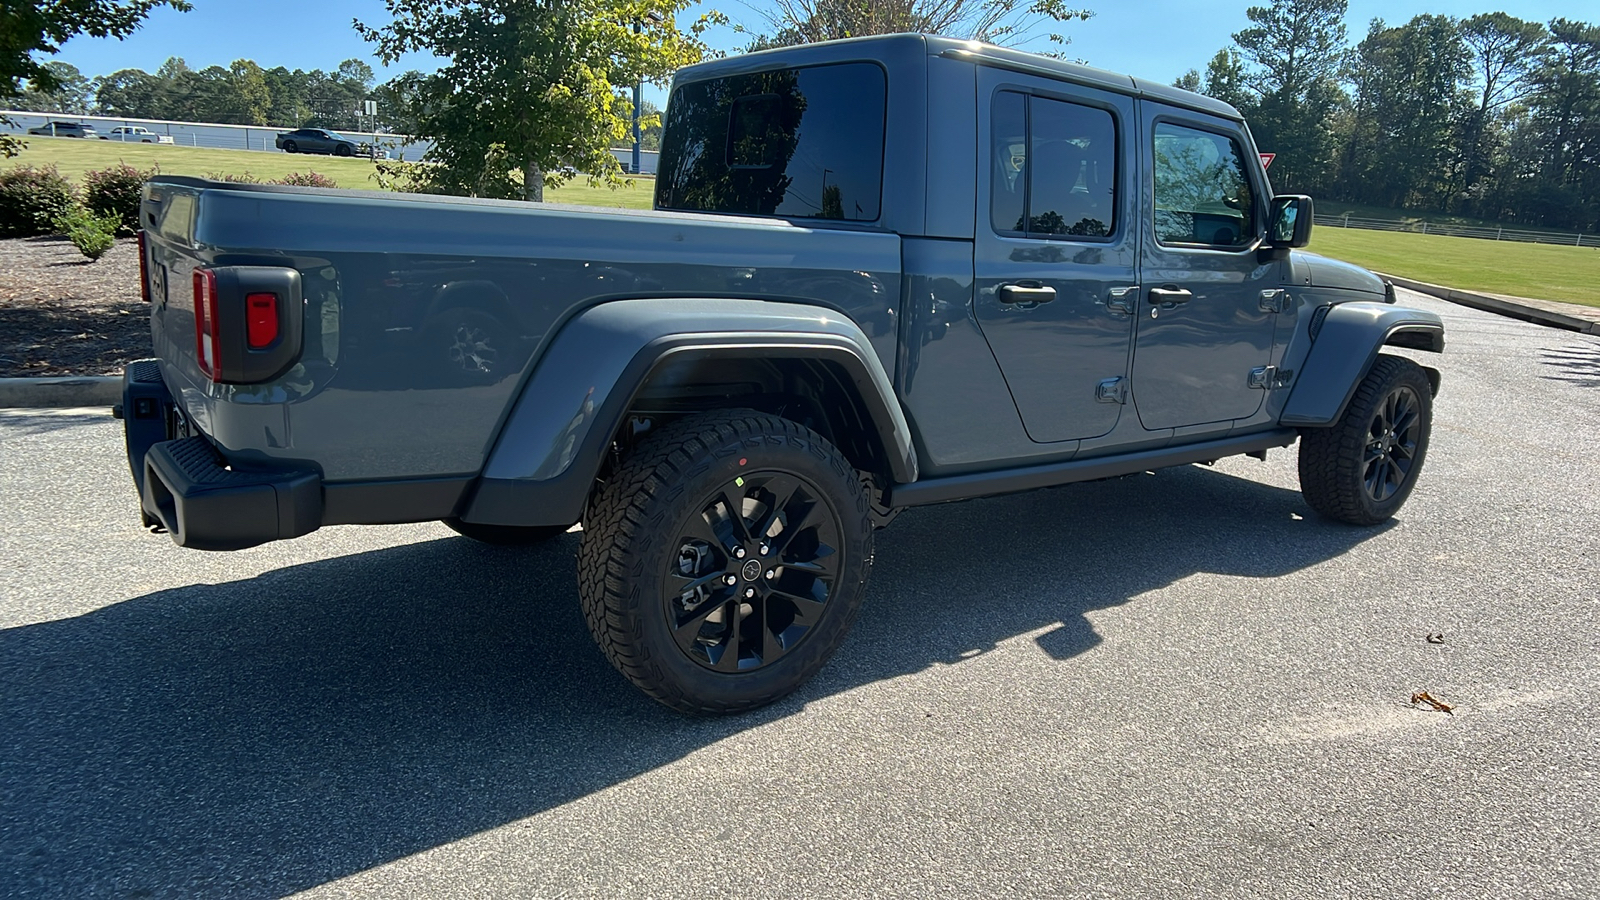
<point x="1157" y="39"/>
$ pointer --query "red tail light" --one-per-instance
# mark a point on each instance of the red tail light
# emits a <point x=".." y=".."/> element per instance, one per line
<point x="207" y="328"/>
<point x="261" y="320"/>
<point x="144" y="268"/>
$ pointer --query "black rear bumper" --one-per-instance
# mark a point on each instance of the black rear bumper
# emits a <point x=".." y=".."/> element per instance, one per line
<point x="187" y="489"/>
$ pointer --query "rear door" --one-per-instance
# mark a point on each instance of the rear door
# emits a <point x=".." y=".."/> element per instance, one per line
<point x="1205" y="325"/>
<point x="1055" y="255"/>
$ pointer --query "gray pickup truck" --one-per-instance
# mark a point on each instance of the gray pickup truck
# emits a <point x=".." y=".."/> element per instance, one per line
<point x="880" y="273"/>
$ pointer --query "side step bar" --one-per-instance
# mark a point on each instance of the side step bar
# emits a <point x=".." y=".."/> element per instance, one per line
<point x="988" y="484"/>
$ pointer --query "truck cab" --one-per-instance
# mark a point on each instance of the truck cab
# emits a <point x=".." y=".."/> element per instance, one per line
<point x="880" y="273"/>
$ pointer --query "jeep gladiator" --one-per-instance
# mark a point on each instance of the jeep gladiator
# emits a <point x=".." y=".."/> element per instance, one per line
<point x="880" y="273"/>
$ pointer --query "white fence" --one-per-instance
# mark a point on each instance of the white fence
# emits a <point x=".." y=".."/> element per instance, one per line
<point x="1496" y="233"/>
<point x="259" y="137"/>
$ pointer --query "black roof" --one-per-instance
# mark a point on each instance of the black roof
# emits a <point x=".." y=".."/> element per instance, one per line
<point x="878" y="47"/>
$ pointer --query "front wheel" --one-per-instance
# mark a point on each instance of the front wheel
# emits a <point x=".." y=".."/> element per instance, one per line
<point x="343" y="150"/>
<point x="724" y="561"/>
<point x="1362" y="468"/>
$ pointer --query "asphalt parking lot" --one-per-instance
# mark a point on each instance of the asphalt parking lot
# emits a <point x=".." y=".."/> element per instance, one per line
<point x="1175" y="685"/>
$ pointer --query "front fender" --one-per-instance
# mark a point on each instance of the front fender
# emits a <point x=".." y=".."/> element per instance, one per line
<point x="1344" y="350"/>
<point x="553" y="443"/>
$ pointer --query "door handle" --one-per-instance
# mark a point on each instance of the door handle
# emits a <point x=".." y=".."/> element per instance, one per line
<point x="1170" y="295"/>
<point x="1025" y="292"/>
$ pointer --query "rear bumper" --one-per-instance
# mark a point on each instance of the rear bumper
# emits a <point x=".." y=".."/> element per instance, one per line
<point x="187" y="489"/>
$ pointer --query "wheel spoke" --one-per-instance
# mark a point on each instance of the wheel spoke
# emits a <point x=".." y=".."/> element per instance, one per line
<point x="807" y="611"/>
<point x="701" y="529"/>
<point x="771" y="647"/>
<point x="735" y="511"/>
<point x="687" y="583"/>
<point x="783" y="490"/>
<point x="800" y="516"/>
<point x="728" y="661"/>
<point x="824" y="565"/>
<point x="687" y="629"/>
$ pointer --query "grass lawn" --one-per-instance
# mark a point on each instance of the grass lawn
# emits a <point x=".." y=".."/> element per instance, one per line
<point x="74" y="156"/>
<point x="1540" y="271"/>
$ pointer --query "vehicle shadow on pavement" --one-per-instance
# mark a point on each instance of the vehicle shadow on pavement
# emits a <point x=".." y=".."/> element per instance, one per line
<point x="264" y="736"/>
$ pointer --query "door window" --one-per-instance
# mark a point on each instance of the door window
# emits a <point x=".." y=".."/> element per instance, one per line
<point x="1203" y="193"/>
<point x="1054" y="168"/>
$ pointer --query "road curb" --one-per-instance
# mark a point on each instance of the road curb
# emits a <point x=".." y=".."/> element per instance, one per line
<point x="70" y="390"/>
<point x="1507" y="308"/>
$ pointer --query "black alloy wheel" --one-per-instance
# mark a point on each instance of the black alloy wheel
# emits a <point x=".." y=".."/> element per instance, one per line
<point x="1362" y="468"/>
<point x="343" y="150"/>
<point x="725" y="559"/>
<point x="754" y="571"/>
<point x="291" y="147"/>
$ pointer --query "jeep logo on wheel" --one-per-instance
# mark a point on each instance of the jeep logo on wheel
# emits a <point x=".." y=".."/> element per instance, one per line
<point x="751" y="570"/>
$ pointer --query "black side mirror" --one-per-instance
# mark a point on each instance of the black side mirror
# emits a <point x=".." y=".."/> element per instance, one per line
<point x="1289" y="225"/>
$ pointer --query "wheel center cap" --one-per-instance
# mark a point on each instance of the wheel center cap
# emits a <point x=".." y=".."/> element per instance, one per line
<point x="751" y="570"/>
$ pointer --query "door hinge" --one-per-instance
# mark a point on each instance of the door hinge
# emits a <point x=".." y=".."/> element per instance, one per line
<point x="1270" y="377"/>
<point x="1275" y="300"/>
<point x="1112" y="390"/>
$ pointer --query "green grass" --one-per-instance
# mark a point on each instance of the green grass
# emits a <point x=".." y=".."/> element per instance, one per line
<point x="74" y="156"/>
<point x="1540" y="271"/>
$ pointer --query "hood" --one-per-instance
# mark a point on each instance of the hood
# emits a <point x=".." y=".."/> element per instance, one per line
<point x="1322" y="272"/>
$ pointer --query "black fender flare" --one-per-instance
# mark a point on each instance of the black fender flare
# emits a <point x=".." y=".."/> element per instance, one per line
<point x="1345" y="345"/>
<point x="554" y="440"/>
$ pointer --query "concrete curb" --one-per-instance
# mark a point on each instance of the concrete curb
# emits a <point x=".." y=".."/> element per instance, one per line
<point x="70" y="390"/>
<point x="1508" y="308"/>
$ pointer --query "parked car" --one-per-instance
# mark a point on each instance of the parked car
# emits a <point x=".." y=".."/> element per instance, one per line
<point x="65" y="129"/>
<point x="1065" y="275"/>
<point x="136" y="134"/>
<point x="316" y="140"/>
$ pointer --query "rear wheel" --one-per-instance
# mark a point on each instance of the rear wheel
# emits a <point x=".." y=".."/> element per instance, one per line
<point x="1362" y="469"/>
<point x="291" y="147"/>
<point x="725" y="560"/>
<point x="506" y="535"/>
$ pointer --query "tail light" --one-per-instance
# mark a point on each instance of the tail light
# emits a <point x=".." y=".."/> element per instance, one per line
<point x="207" y="324"/>
<point x="248" y="322"/>
<point x="144" y="268"/>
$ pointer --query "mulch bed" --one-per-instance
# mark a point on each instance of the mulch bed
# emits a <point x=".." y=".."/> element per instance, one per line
<point x="61" y="314"/>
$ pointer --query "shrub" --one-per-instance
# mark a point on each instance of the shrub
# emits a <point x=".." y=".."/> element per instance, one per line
<point x="241" y="178"/>
<point x="32" y="199"/>
<point x="92" y="233"/>
<point x="115" y="192"/>
<point x="308" y="179"/>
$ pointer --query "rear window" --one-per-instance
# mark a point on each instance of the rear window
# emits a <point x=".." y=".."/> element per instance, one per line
<point x="798" y="143"/>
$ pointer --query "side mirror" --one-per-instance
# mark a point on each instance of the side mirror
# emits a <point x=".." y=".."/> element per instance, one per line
<point x="1289" y="224"/>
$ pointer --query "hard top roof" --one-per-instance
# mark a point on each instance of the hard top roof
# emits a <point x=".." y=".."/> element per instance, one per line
<point x="877" y="47"/>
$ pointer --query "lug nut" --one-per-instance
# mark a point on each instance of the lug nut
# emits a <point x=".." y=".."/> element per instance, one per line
<point x="765" y="549"/>
<point x="739" y="552"/>
<point x="731" y="579"/>
<point x="749" y="592"/>
<point x="771" y="574"/>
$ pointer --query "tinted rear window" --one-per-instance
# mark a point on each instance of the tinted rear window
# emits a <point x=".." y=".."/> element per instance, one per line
<point x="803" y="143"/>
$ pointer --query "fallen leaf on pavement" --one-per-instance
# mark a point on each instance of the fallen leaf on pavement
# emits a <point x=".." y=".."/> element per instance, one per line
<point x="1425" y="697"/>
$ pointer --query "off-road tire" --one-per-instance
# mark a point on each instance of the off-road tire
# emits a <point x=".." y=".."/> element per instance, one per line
<point x="633" y="538"/>
<point x="505" y="535"/>
<point x="1335" y="462"/>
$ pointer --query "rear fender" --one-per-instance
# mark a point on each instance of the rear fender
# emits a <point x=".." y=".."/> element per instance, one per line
<point x="554" y="442"/>
<point x="1344" y="349"/>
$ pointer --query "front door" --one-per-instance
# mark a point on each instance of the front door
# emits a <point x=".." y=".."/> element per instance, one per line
<point x="1204" y="323"/>
<point x="1056" y="249"/>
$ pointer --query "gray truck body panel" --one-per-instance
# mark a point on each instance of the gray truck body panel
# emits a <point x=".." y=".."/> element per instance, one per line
<point x="969" y="394"/>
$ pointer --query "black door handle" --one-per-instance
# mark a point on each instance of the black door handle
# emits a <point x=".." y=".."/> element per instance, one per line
<point x="1170" y="295"/>
<point x="1025" y="292"/>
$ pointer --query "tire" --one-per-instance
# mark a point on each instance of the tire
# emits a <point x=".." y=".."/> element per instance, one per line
<point x="506" y="535"/>
<point x="659" y="548"/>
<point x="1361" y="469"/>
<point x="291" y="147"/>
<point x="344" y="150"/>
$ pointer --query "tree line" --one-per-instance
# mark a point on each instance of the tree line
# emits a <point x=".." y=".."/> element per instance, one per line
<point x="1488" y="116"/>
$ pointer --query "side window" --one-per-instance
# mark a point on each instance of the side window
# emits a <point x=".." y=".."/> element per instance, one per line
<point x="1203" y="193"/>
<point x="1054" y="168"/>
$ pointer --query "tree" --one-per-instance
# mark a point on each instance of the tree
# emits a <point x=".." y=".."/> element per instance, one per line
<point x="1189" y="81"/>
<point x="533" y="82"/>
<point x="1225" y="79"/>
<point x="1505" y="50"/>
<point x="131" y="93"/>
<point x="995" y="21"/>
<point x="71" y="94"/>
<point x="1295" y="48"/>
<point x="1564" y="112"/>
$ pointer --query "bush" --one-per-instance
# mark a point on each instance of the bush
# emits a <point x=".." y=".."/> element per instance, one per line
<point x="241" y="178"/>
<point x="92" y="233"/>
<point x="307" y="179"/>
<point x="32" y="199"/>
<point x="116" y="192"/>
